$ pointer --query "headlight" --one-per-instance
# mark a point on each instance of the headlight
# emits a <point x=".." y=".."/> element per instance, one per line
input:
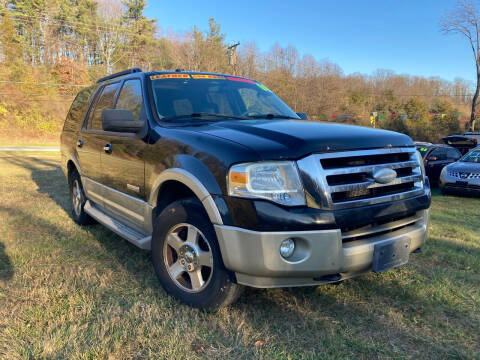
<point x="277" y="181"/>
<point x="443" y="173"/>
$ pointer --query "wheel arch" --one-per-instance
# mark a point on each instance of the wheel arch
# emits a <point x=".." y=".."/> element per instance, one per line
<point x="188" y="184"/>
<point x="71" y="164"/>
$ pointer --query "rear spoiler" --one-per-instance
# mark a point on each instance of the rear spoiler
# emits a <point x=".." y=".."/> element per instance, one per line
<point x="461" y="142"/>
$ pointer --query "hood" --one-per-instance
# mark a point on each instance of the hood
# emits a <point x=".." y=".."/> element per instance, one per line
<point x="467" y="167"/>
<point x="292" y="139"/>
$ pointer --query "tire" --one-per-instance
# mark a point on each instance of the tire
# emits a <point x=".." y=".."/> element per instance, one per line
<point x="78" y="200"/>
<point x="187" y="259"/>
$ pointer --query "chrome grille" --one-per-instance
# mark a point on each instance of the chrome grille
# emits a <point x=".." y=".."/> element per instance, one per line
<point x="339" y="180"/>
<point x="464" y="175"/>
<point x="375" y="229"/>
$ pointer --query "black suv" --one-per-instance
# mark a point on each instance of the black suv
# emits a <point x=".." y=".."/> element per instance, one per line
<point x="228" y="186"/>
<point x="435" y="158"/>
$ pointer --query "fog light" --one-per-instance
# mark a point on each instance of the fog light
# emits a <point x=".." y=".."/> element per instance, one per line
<point x="287" y="247"/>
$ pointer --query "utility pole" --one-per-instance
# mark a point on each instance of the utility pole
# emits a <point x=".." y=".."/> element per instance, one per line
<point x="232" y="57"/>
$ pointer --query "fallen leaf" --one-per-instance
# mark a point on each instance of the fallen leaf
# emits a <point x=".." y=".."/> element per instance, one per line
<point x="259" y="343"/>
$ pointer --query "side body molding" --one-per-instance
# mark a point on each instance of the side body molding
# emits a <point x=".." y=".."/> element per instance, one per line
<point x="193" y="184"/>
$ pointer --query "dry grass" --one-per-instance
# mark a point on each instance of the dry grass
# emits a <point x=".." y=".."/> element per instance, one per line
<point x="72" y="292"/>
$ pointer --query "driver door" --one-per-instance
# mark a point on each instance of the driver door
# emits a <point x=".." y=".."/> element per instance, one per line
<point x="436" y="160"/>
<point x="123" y="163"/>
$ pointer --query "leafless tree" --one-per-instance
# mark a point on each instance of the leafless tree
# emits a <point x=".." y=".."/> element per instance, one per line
<point x="464" y="19"/>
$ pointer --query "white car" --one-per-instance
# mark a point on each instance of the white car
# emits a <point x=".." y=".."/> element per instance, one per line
<point x="463" y="176"/>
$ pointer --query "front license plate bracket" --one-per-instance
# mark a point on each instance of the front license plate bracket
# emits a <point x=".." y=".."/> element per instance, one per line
<point x="390" y="254"/>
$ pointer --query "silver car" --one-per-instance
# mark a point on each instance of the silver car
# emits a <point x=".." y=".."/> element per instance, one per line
<point x="462" y="176"/>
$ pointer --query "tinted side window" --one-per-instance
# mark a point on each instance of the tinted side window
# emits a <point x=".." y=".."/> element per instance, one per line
<point x="453" y="154"/>
<point x="79" y="107"/>
<point x="105" y="101"/>
<point x="131" y="98"/>
<point x="440" y="154"/>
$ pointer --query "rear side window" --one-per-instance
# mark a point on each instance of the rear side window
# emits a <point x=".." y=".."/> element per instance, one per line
<point x="131" y="98"/>
<point x="105" y="101"/>
<point x="79" y="107"/>
<point x="453" y="154"/>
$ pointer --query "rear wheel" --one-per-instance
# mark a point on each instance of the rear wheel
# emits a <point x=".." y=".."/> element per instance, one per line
<point x="187" y="259"/>
<point x="78" y="200"/>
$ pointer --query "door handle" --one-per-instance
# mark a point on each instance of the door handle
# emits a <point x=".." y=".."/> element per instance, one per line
<point x="79" y="142"/>
<point x="108" y="148"/>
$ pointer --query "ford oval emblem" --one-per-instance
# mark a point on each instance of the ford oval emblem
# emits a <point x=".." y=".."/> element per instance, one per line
<point x="384" y="175"/>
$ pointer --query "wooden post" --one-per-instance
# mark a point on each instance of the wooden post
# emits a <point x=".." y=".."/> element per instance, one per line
<point x="232" y="57"/>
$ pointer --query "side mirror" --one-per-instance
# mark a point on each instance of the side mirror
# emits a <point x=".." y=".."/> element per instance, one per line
<point x="302" y="116"/>
<point x="432" y="158"/>
<point x="117" y="120"/>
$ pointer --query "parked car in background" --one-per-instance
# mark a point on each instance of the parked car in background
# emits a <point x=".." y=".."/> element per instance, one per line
<point x="463" y="143"/>
<point x="462" y="177"/>
<point x="436" y="157"/>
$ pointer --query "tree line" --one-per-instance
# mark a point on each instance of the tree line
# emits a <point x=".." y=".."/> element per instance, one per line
<point x="51" y="49"/>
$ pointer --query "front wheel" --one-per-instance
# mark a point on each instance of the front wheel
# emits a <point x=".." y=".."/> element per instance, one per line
<point x="187" y="259"/>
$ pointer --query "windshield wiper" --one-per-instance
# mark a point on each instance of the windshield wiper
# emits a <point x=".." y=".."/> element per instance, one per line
<point x="204" y="115"/>
<point x="272" y="116"/>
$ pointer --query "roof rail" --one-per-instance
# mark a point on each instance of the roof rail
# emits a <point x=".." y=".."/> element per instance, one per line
<point x="121" y="73"/>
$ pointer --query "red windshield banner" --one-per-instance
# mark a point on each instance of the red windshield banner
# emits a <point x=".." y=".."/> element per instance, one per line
<point x="231" y="78"/>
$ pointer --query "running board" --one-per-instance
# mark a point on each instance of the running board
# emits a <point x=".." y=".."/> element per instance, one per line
<point x="135" y="237"/>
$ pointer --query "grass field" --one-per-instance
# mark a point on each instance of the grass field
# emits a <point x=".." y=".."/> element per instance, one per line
<point x="50" y="141"/>
<point x="84" y="293"/>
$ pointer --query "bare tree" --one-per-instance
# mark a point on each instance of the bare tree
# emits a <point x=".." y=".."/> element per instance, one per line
<point x="465" y="20"/>
<point x="109" y="32"/>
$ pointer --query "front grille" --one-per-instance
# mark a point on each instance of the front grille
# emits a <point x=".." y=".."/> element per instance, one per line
<point x="464" y="175"/>
<point x="346" y="179"/>
<point x="381" y="227"/>
<point x="362" y="177"/>
<point x="335" y="163"/>
<point x="350" y="195"/>
<point x="462" y="185"/>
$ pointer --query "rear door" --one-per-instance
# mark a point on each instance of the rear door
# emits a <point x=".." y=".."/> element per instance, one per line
<point x="91" y="143"/>
<point x="436" y="160"/>
<point x="123" y="165"/>
<point x="74" y="122"/>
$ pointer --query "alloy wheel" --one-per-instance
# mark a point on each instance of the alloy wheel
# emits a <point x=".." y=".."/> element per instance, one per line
<point x="188" y="258"/>
<point x="77" y="197"/>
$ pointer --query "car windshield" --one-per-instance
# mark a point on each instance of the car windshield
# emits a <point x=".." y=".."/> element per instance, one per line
<point x="472" y="157"/>
<point x="422" y="150"/>
<point x="200" y="97"/>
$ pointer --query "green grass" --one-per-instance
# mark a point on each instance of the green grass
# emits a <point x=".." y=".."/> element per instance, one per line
<point x="82" y="292"/>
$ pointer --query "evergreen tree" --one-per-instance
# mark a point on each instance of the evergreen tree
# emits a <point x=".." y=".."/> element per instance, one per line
<point x="140" y="33"/>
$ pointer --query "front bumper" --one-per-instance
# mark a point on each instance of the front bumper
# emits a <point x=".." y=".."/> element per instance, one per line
<point x="321" y="256"/>
<point x="455" y="185"/>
